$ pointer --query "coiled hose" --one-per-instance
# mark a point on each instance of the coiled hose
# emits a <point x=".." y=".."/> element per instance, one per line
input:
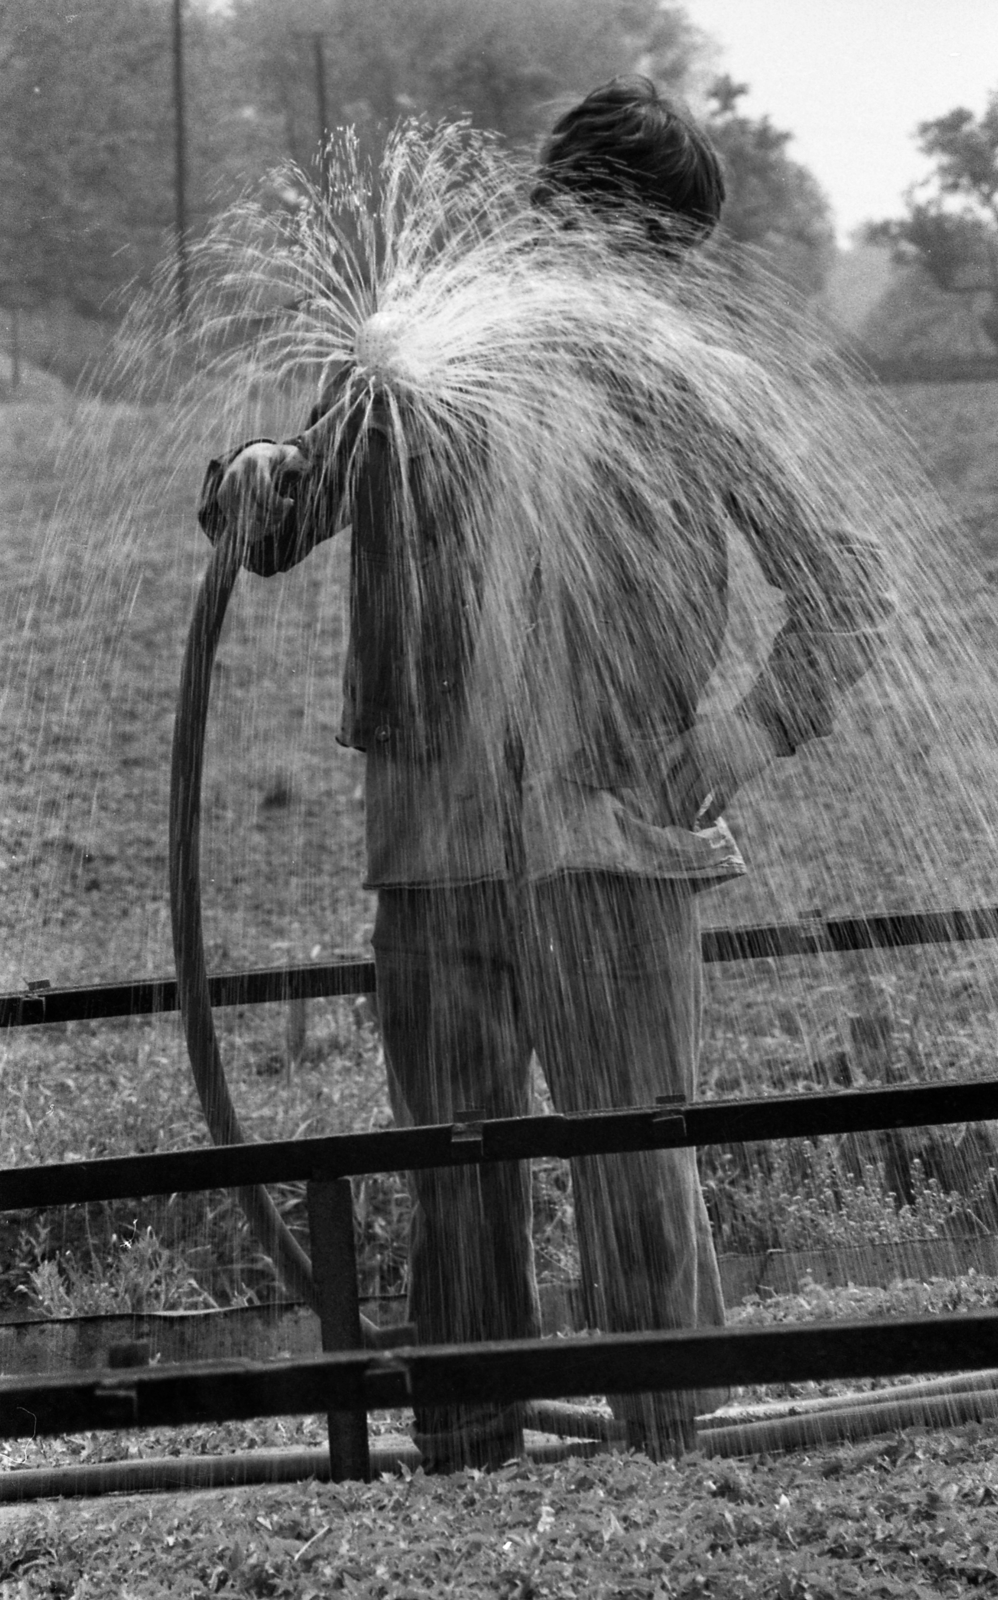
<point x="292" y="1264"/>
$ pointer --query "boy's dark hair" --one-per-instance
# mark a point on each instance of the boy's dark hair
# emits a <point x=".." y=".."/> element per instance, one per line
<point x="627" y="145"/>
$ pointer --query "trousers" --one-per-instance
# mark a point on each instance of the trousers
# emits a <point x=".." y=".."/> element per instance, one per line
<point x="600" y="974"/>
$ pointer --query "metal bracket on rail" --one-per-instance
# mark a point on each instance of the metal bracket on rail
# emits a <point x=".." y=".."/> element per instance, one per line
<point x="467" y="1131"/>
<point x="388" y="1364"/>
<point x="812" y="925"/>
<point x="119" y="1403"/>
<point x="669" y="1115"/>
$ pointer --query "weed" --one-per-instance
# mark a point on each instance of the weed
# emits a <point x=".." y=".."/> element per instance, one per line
<point x="137" y="1274"/>
<point x="825" y="1194"/>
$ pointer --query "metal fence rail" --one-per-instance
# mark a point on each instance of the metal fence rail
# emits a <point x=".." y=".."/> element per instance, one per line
<point x="666" y="1126"/>
<point x="812" y="935"/>
<point x="353" y="1382"/>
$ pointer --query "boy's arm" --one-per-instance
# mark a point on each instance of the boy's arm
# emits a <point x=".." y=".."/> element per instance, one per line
<point x="285" y="497"/>
<point x="839" y="603"/>
<point x="838" y="606"/>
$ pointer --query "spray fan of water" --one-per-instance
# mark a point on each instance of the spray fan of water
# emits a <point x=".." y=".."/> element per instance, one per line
<point x="621" y="398"/>
<point x="566" y="404"/>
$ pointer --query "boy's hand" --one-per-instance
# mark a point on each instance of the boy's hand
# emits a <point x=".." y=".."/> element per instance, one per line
<point x="711" y="762"/>
<point x="250" y="494"/>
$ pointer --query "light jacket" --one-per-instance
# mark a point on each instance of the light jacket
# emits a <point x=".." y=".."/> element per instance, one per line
<point x="452" y="796"/>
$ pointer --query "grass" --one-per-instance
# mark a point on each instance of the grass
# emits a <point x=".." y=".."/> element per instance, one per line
<point x="907" y="1516"/>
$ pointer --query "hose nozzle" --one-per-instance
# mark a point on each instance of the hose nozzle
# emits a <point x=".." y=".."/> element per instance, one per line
<point x="379" y="346"/>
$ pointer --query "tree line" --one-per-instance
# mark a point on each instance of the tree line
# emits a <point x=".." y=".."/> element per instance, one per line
<point x="946" y="242"/>
<point x="87" y="115"/>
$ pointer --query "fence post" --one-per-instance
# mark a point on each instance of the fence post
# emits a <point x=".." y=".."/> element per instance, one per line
<point x="334" y="1271"/>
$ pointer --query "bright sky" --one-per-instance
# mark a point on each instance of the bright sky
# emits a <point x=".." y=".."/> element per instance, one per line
<point x="852" y="79"/>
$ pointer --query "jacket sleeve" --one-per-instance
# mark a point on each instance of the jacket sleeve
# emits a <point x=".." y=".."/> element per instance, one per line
<point x="318" y="495"/>
<point x="839" y="604"/>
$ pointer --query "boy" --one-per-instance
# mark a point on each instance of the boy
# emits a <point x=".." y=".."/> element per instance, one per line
<point x="508" y="923"/>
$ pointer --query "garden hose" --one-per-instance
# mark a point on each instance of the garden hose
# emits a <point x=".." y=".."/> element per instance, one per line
<point x="577" y="1434"/>
<point x="275" y="1238"/>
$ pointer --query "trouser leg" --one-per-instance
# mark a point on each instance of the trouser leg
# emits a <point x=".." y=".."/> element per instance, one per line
<point x="454" y="1037"/>
<point x="617" y="1006"/>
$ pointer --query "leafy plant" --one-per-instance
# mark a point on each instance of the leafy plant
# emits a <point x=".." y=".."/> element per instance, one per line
<point x="904" y="1297"/>
<point x="139" y="1274"/>
<point x="903" y="1516"/>
<point x="813" y="1195"/>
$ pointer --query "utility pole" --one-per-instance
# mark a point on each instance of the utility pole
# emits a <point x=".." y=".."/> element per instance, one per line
<point x="15" y="346"/>
<point x="180" y="163"/>
<point x="319" y="56"/>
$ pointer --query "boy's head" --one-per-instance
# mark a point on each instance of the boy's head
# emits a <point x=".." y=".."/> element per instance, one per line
<point x="626" y="145"/>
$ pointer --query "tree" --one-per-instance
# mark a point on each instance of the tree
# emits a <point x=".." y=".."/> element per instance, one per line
<point x="503" y="66"/>
<point x="949" y="232"/>
<point x="915" y="320"/>
<point x="86" y="144"/>
<point x="84" y="149"/>
<point x="774" y="204"/>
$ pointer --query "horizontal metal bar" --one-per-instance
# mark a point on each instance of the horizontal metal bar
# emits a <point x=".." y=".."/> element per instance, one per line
<point x="503" y="1139"/>
<point x="311" y="981"/>
<point x="816" y="936"/>
<point x="798" y="1116"/>
<point x="85" y="1002"/>
<point x="512" y="1370"/>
